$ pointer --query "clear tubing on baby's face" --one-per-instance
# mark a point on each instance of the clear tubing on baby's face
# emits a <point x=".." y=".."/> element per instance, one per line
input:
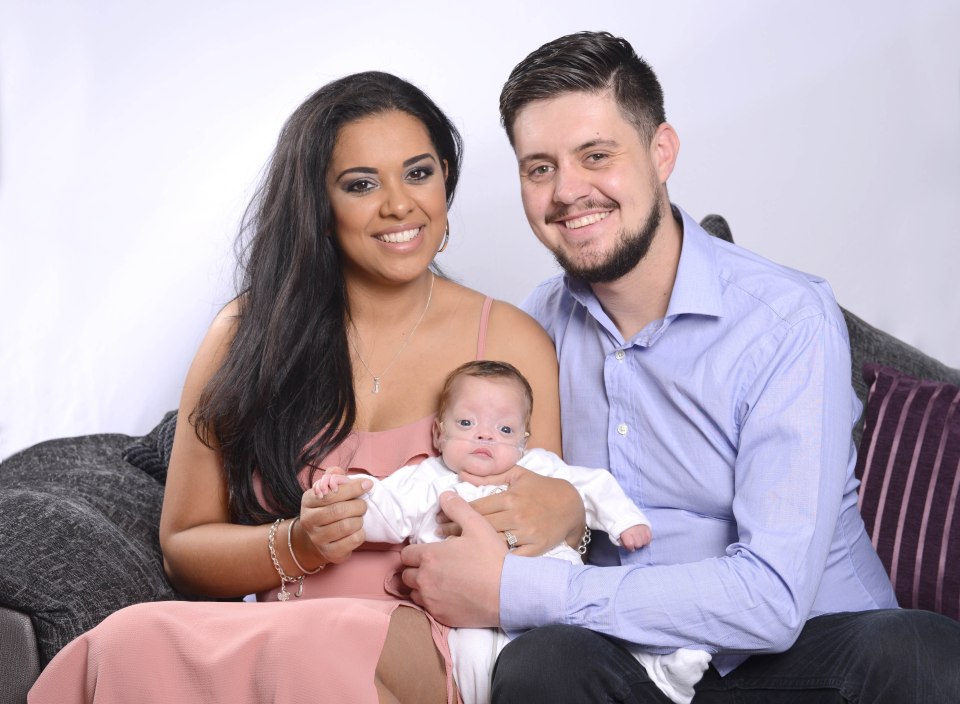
<point x="468" y="431"/>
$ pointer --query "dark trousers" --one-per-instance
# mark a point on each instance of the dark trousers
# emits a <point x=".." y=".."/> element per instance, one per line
<point x="870" y="657"/>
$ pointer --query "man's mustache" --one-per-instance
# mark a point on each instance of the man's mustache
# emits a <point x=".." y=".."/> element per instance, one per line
<point x="565" y="211"/>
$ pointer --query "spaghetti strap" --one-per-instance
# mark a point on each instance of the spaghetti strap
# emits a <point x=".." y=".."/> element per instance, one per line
<point x="482" y="333"/>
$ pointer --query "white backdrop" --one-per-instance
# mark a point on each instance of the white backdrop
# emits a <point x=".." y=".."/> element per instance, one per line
<point x="828" y="133"/>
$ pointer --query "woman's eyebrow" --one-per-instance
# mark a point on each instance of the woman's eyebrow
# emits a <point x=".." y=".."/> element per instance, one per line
<point x="415" y="159"/>
<point x="372" y="171"/>
<point x="356" y="170"/>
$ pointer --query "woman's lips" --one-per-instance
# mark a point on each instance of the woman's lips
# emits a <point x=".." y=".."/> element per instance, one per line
<point x="399" y="237"/>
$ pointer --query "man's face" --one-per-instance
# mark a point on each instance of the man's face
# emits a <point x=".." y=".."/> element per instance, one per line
<point x="590" y="185"/>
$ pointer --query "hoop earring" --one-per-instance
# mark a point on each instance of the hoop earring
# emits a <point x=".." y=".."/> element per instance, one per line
<point x="446" y="239"/>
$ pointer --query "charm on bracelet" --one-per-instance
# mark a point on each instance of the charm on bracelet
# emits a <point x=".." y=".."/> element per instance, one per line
<point x="285" y="579"/>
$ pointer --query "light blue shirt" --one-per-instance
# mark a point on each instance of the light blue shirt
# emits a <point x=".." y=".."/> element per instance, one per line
<point x="729" y="423"/>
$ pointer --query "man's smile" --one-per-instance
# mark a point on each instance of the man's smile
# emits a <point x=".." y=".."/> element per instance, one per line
<point x="583" y="221"/>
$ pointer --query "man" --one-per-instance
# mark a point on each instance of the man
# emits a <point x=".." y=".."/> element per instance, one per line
<point x="715" y="385"/>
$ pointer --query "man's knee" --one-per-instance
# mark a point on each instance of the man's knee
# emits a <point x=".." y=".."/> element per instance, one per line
<point x="536" y="658"/>
<point x="572" y="664"/>
<point x="912" y="654"/>
<point x="902" y="634"/>
<point x="547" y="664"/>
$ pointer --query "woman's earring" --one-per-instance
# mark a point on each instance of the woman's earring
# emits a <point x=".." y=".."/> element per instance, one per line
<point x="446" y="239"/>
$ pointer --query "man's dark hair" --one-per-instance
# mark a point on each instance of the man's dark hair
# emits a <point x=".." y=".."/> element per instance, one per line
<point x="591" y="62"/>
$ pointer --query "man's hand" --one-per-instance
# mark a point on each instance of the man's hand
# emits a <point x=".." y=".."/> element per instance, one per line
<point x="541" y="512"/>
<point x="458" y="580"/>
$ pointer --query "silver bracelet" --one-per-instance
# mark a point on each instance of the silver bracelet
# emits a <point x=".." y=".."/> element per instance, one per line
<point x="293" y="555"/>
<point x="585" y="541"/>
<point x="284" y="577"/>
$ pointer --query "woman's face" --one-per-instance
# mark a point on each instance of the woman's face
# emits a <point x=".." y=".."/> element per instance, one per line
<point x="386" y="188"/>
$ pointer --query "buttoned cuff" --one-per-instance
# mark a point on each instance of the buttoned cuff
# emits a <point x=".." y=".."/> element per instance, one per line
<point x="532" y="592"/>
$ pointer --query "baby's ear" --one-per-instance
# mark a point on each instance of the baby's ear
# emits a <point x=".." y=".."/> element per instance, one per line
<point x="438" y="434"/>
<point x="522" y="445"/>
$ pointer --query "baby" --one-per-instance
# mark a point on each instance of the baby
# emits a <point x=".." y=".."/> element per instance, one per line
<point x="481" y="431"/>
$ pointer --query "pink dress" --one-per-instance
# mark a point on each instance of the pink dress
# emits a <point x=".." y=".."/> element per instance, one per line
<point x="305" y="650"/>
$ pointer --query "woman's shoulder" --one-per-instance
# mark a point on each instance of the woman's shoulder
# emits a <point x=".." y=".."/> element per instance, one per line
<point x="216" y="342"/>
<point x="503" y="330"/>
<point x="503" y="316"/>
<point x="229" y="314"/>
<point x="224" y="324"/>
<point x="509" y="323"/>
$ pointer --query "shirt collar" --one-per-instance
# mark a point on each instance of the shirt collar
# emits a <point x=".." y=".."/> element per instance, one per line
<point x="696" y="290"/>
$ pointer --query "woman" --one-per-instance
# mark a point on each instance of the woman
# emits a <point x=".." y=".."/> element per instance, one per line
<point x="333" y="354"/>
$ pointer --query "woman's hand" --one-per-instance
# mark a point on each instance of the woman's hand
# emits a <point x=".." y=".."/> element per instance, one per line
<point x="540" y="512"/>
<point x="332" y="523"/>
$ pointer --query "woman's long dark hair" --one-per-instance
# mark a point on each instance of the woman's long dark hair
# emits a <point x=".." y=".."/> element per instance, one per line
<point x="283" y="397"/>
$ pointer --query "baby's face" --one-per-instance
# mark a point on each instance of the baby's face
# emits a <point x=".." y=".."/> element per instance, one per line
<point x="483" y="427"/>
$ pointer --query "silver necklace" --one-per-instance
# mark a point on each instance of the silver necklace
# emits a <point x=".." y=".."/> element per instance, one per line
<point x="378" y="377"/>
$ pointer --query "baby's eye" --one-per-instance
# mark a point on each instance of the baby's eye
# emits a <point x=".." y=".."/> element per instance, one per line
<point x="506" y="430"/>
<point x="464" y="423"/>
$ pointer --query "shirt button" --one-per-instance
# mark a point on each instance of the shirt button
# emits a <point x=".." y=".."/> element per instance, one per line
<point x="620" y="355"/>
<point x="622" y="428"/>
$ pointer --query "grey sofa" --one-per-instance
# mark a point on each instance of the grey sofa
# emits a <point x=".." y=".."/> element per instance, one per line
<point x="79" y="518"/>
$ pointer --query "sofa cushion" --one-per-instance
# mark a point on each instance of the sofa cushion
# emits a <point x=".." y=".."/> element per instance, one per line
<point x="79" y="533"/>
<point x="870" y="345"/>
<point x="151" y="453"/>
<point x="909" y="466"/>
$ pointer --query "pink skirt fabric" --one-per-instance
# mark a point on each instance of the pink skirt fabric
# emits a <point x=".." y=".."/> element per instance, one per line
<point x="310" y="649"/>
<point x="302" y="651"/>
<point x="321" y="648"/>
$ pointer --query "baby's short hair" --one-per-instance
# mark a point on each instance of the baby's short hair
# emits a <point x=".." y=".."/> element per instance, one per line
<point x="487" y="369"/>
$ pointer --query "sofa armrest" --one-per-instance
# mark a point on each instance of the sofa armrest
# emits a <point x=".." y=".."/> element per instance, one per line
<point x="19" y="660"/>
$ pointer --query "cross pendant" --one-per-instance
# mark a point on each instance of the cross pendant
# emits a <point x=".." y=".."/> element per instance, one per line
<point x="376" y="385"/>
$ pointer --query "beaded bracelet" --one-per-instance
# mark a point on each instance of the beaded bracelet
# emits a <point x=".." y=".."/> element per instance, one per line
<point x="293" y="555"/>
<point x="284" y="577"/>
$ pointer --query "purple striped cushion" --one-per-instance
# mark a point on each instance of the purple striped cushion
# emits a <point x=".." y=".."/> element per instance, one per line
<point x="909" y="466"/>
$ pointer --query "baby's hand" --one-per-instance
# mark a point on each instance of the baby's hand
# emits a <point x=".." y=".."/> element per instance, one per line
<point x="331" y="479"/>
<point x="635" y="537"/>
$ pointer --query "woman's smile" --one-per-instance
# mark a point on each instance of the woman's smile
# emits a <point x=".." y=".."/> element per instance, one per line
<point x="399" y="237"/>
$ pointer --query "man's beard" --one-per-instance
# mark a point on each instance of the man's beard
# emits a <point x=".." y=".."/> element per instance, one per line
<point x="629" y="250"/>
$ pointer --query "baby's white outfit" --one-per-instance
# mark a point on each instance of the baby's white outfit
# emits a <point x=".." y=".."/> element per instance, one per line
<point x="405" y="504"/>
